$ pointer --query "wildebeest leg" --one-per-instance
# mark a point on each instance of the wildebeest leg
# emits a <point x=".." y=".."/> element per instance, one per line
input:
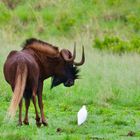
<point x="36" y="112"/>
<point x="41" y="104"/>
<point x="20" y="113"/>
<point x="27" y="104"/>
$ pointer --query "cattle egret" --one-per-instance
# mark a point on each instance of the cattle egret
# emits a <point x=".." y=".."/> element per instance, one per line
<point x="82" y="115"/>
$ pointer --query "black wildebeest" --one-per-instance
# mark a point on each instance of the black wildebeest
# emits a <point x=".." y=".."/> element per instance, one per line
<point x="26" y="70"/>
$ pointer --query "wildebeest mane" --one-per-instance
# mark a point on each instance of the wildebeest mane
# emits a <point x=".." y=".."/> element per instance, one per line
<point x="32" y="41"/>
<point x="41" y="46"/>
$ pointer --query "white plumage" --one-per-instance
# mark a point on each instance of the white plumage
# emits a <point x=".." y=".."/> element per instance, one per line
<point x="82" y="115"/>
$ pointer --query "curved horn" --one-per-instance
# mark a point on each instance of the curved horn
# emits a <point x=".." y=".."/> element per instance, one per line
<point x="82" y="60"/>
<point x="73" y="56"/>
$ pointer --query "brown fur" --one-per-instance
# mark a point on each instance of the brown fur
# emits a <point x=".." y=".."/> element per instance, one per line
<point x="20" y="70"/>
<point x="26" y="70"/>
<point x="42" y="47"/>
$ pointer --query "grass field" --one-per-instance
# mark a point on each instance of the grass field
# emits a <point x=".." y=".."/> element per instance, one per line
<point x="109" y="87"/>
<point x="109" y="84"/>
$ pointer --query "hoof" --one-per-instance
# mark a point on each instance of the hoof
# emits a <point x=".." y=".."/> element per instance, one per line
<point x="38" y="124"/>
<point x="26" y="122"/>
<point x="44" y="123"/>
<point x="37" y="119"/>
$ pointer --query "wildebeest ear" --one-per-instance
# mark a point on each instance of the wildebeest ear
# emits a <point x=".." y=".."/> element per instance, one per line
<point x="66" y="54"/>
<point x="55" y="81"/>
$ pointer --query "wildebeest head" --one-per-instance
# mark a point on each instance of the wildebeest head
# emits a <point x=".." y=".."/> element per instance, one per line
<point x="68" y="70"/>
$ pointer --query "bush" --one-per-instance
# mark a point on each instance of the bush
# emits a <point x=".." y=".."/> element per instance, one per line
<point x="22" y="13"/>
<point x="65" y="24"/>
<point x="117" y="45"/>
<point x="5" y="14"/>
<point x="134" y="20"/>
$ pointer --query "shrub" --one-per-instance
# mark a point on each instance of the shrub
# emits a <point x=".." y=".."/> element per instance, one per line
<point x="134" y="20"/>
<point x="117" y="45"/>
<point x="5" y="14"/>
<point x="65" y="23"/>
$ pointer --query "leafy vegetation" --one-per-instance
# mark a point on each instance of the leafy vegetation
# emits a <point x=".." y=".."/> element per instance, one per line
<point x="110" y="82"/>
<point x="69" y="19"/>
<point x="117" y="45"/>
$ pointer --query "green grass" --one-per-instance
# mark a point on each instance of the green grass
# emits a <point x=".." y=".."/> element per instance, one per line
<point x="109" y="87"/>
<point x="109" y="84"/>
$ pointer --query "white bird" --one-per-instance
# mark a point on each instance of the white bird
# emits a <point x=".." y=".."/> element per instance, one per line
<point x="82" y="115"/>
